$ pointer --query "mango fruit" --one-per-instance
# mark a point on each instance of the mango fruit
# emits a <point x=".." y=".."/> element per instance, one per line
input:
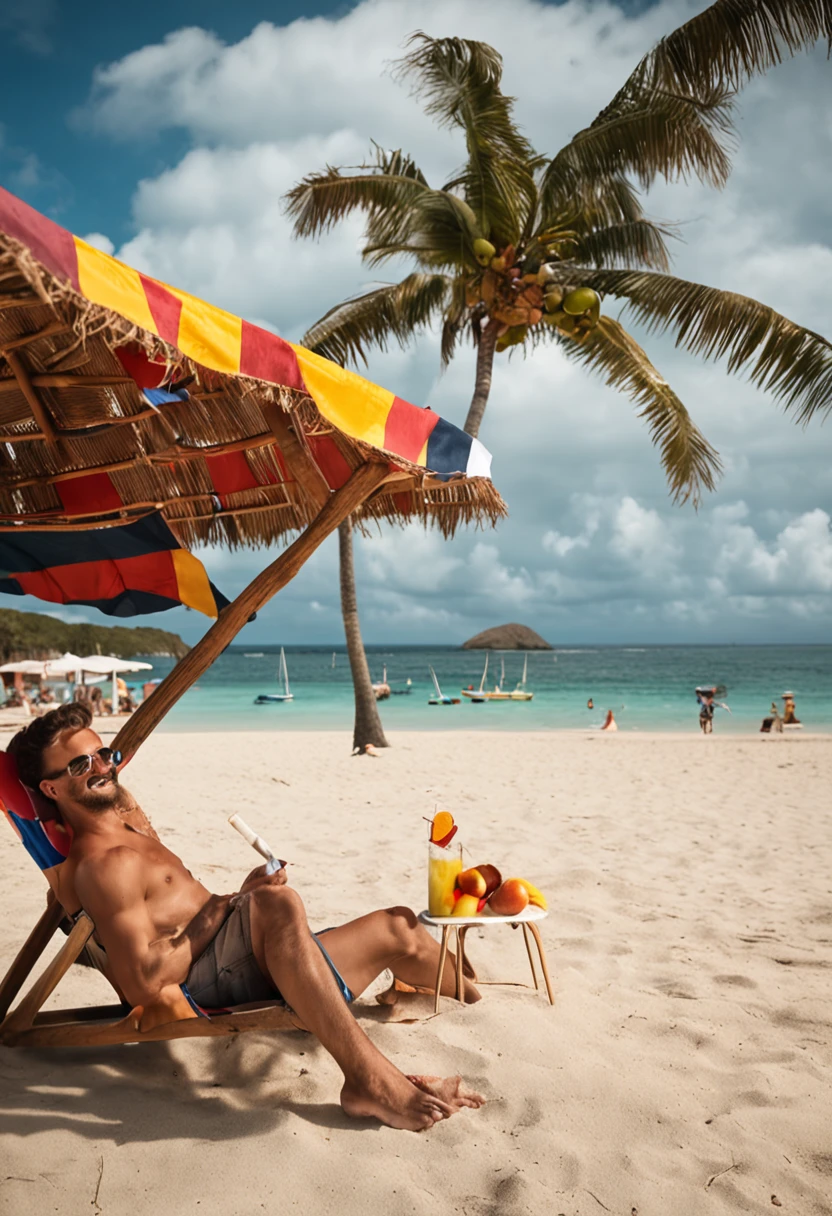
<point x="471" y="882"/>
<point x="536" y="897"/>
<point x="492" y="877"/>
<point x="466" y="905"/>
<point x="509" y="899"/>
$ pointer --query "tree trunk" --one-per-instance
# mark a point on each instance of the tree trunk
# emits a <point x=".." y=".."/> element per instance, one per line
<point x="368" y="728"/>
<point x="482" y="385"/>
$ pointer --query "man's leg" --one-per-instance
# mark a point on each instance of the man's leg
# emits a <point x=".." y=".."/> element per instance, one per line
<point x="373" y="1087"/>
<point x="394" y="939"/>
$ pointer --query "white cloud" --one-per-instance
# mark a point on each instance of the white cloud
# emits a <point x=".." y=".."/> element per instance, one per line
<point x="99" y="241"/>
<point x="593" y="547"/>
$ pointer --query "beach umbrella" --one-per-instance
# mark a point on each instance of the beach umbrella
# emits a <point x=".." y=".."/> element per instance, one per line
<point x="28" y="667"/>
<point x="138" y="421"/>
<point x="109" y="665"/>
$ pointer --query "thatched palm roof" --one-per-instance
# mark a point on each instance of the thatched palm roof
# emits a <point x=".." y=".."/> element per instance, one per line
<point x="254" y="434"/>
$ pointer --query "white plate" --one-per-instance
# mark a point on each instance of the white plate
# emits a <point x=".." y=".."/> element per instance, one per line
<point x="529" y="913"/>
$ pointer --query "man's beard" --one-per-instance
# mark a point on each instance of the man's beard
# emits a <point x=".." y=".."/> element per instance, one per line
<point x="109" y="799"/>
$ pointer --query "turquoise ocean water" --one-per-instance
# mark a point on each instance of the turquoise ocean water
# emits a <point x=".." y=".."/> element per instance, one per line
<point x="648" y="688"/>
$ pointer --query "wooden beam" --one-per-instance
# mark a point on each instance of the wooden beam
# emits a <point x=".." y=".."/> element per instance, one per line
<point x="15" y="301"/>
<point x="65" y="380"/>
<point x="189" y="669"/>
<point x="28" y="955"/>
<point x="39" y="411"/>
<point x="149" y="459"/>
<point x="86" y="1033"/>
<point x="54" y="327"/>
<point x="298" y="460"/>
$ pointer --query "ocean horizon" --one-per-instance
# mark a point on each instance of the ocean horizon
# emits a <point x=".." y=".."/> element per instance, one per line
<point x="648" y="688"/>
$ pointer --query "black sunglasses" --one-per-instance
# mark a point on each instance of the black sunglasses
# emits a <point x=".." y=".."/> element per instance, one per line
<point x="80" y="765"/>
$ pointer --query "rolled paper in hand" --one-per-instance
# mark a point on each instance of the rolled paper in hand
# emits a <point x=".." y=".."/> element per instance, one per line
<point x="258" y="843"/>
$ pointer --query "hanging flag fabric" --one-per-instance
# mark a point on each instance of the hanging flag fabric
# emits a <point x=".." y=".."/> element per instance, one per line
<point x="126" y="570"/>
<point x="222" y="342"/>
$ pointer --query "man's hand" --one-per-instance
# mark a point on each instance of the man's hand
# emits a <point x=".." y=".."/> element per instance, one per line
<point x="259" y="878"/>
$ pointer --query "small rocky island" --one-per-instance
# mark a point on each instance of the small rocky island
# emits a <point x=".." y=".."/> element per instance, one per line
<point x="507" y="637"/>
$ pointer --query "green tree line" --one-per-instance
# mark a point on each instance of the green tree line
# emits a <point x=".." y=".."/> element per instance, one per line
<point x="31" y="635"/>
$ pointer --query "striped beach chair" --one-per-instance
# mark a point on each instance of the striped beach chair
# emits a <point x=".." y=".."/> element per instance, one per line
<point x="47" y="841"/>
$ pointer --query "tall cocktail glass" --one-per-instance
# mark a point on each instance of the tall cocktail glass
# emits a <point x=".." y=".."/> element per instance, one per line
<point x="443" y="867"/>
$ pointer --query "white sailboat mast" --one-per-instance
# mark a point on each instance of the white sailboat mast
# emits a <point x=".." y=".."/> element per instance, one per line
<point x="484" y="673"/>
<point x="284" y="671"/>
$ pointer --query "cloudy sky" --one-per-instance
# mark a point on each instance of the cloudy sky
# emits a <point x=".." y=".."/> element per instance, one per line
<point x="167" y="133"/>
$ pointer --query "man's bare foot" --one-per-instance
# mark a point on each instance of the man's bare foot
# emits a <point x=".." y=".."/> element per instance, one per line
<point x="396" y="1101"/>
<point x="449" y="1090"/>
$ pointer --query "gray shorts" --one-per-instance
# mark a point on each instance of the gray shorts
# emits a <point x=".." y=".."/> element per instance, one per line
<point x="226" y="973"/>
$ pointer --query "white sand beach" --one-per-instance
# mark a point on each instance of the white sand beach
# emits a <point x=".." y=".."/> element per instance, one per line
<point x="684" y="1068"/>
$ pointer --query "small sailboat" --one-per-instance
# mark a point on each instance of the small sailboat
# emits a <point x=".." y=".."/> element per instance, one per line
<point x="382" y="690"/>
<point x="478" y="695"/>
<point x="440" y="698"/>
<point x="333" y="660"/>
<point x="520" y="693"/>
<point x="272" y="698"/>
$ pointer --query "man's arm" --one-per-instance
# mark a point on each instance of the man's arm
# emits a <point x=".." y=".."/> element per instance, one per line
<point x="143" y="964"/>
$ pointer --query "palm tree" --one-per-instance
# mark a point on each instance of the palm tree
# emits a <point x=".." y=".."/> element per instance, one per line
<point x="367" y="728"/>
<point x="519" y="248"/>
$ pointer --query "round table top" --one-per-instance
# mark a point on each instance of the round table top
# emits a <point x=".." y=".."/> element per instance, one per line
<point x="529" y="913"/>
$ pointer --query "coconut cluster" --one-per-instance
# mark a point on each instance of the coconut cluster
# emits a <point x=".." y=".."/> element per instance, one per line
<point x="521" y="300"/>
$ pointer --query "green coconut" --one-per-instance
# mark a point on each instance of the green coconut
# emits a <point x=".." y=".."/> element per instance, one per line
<point x="566" y="323"/>
<point x="580" y="300"/>
<point x="553" y="299"/>
<point x="484" y="251"/>
<point x="498" y="264"/>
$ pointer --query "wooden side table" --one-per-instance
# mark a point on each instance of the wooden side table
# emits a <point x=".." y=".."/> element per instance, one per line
<point x="528" y="920"/>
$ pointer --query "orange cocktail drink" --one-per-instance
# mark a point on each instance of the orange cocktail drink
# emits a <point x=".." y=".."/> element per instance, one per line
<point x="443" y="866"/>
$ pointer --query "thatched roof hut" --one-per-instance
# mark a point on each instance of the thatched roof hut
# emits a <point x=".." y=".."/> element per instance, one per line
<point x="255" y="434"/>
<point x="123" y="399"/>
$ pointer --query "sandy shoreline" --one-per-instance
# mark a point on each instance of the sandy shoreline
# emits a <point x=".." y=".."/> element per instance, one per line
<point x="683" y="1069"/>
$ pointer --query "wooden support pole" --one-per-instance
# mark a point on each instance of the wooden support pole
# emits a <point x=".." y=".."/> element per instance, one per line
<point x="28" y="955"/>
<point x="363" y="481"/>
<point x="23" y="1016"/>
<point x="24" y="383"/>
<point x="298" y="461"/>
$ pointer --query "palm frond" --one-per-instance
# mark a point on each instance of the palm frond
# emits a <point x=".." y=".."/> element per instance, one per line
<point x="733" y="40"/>
<point x="322" y="200"/>
<point x="458" y="80"/>
<point x="594" y="203"/>
<point x="649" y="133"/>
<point x="390" y="313"/>
<point x="439" y="229"/>
<point x="690" y="464"/>
<point x="634" y="244"/>
<point x="792" y="363"/>
<point x="456" y="316"/>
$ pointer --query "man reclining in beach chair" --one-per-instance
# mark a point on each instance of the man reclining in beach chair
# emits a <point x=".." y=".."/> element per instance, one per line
<point x="161" y="928"/>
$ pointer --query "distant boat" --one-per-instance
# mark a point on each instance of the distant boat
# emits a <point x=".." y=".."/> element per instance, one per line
<point x="478" y="695"/>
<point x="440" y="698"/>
<point x="520" y="693"/>
<point x="333" y="660"/>
<point x="403" y="692"/>
<point x="271" y="698"/>
<point x="382" y="690"/>
<point x="253" y="654"/>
